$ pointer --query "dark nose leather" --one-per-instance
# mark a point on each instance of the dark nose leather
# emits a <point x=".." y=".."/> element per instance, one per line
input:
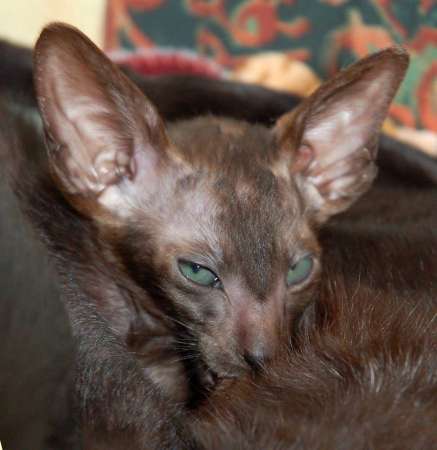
<point x="255" y="360"/>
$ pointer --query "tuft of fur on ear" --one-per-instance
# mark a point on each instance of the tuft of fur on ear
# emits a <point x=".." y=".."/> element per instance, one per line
<point x="330" y="141"/>
<point x="102" y="133"/>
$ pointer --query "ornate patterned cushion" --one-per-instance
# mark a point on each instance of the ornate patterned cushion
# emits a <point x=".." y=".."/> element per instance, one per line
<point x="326" y="34"/>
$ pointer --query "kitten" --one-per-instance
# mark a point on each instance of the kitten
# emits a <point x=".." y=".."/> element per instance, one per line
<point x="193" y="240"/>
<point x="204" y="242"/>
<point x="165" y="234"/>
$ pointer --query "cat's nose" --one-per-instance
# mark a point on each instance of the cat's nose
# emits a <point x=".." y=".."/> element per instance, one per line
<point x="259" y="328"/>
<point x="256" y="359"/>
<point x="257" y="353"/>
<point x="259" y="339"/>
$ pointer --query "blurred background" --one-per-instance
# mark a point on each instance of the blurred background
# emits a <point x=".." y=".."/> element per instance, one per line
<point x="285" y="44"/>
<point x="22" y="20"/>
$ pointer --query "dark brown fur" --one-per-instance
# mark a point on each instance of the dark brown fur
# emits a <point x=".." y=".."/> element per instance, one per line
<point x="363" y="373"/>
<point x="110" y="276"/>
<point x="116" y="163"/>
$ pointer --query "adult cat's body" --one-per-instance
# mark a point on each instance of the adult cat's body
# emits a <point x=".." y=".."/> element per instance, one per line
<point x="117" y="267"/>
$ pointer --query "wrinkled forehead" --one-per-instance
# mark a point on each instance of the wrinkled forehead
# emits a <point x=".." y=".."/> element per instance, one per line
<point x="234" y="201"/>
<point x="242" y="222"/>
<point x="237" y="163"/>
<point x="257" y="216"/>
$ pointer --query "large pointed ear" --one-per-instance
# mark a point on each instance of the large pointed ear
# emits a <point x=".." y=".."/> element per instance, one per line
<point x="103" y="135"/>
<point x="330" y="141"/>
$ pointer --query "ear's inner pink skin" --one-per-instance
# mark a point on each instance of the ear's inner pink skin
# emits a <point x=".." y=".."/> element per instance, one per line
<point x="242" y="200"/>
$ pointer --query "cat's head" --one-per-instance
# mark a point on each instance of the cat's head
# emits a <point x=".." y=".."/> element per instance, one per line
<point x="213" y="219"/>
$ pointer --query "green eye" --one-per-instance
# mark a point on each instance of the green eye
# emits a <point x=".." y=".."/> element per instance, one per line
<point x="198" y="274"/>
<point x="300" y="271"/>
